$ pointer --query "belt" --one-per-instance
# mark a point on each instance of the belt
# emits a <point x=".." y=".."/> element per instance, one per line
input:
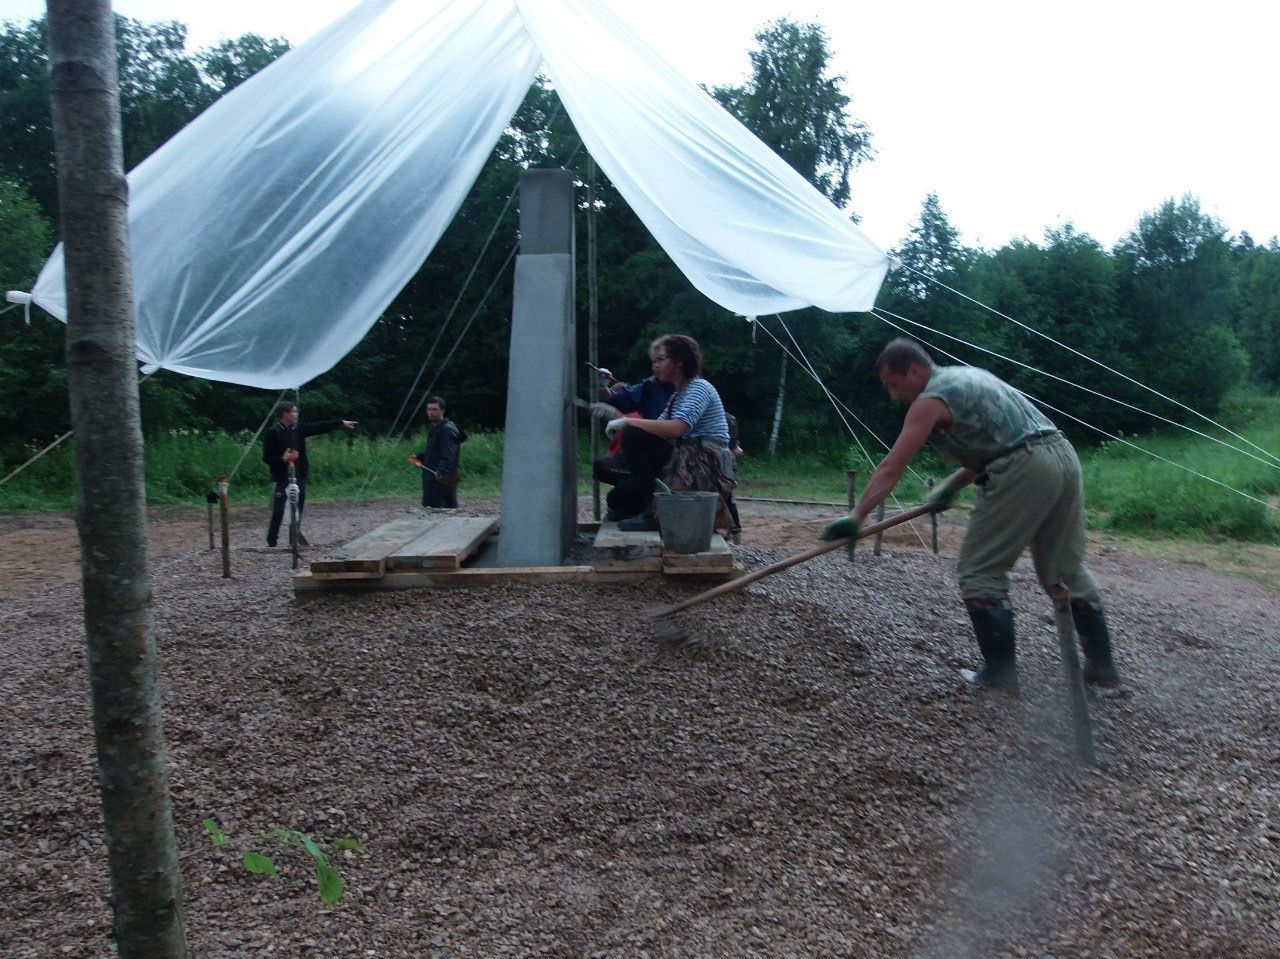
<point x="1035" y="439"/>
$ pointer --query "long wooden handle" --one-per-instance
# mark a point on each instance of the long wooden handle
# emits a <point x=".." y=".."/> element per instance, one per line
<point x="780" y="565"/>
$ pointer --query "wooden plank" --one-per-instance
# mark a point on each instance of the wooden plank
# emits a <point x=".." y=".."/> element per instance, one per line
<point x="368" y="553"/>
<point x="718" y="555"/>
<point x="614" y="545"/>
<point x="648" y="564"/>
<point x="724" y="573"/>
<point x="445" y="545"/>
<point x="425" y="578"/>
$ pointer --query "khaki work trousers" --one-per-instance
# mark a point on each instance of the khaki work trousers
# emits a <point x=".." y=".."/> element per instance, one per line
<point x="1031" y="497"/>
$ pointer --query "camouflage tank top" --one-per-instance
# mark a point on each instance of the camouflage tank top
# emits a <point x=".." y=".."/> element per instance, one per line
<point x="988" y="416"/>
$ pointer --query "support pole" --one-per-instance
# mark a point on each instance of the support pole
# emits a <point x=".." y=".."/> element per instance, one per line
<point x="540" y="456"/>
<point x="593" y="325"/>
<point x="879" y="536"/>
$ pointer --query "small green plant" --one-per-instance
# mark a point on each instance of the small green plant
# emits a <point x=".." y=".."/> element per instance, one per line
<point x="328" y="882"/>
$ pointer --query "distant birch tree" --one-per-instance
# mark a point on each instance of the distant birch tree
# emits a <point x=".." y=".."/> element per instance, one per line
<point x="103" y="384"/>
<point x="800" y="110"/>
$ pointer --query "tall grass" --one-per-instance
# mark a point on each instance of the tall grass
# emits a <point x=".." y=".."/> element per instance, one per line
<point x="1126" y="490"/>
<point x="1130" y="490"/>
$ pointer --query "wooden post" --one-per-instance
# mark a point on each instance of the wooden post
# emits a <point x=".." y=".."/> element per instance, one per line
<point x="879" y="536"/>
<point x="226" y="527"/>
<point x="211" y="497"/>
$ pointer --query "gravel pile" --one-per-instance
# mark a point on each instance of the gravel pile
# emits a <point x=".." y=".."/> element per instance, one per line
<point x="529" y="772"/>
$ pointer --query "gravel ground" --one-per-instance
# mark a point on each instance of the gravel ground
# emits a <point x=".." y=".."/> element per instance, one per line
<point x="529" y="772"/>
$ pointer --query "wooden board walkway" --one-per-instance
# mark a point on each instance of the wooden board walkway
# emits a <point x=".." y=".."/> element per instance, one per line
<point x="431" y="551"/>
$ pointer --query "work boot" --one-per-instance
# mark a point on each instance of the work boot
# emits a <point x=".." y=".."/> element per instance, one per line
<point x="1091" y="626"/>
<point x="993" y="628"/>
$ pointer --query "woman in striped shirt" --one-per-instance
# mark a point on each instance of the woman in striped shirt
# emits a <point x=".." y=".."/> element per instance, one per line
<point x="694" y="412"/>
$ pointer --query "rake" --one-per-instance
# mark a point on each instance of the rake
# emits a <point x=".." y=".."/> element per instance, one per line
<point x="671" y="633"/>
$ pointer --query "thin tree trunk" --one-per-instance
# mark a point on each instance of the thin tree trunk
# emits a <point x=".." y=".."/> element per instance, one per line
<point x="102" y="374"/>
<point x="777" y="409"/>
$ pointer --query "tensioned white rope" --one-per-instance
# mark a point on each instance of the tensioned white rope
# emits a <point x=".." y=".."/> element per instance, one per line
<point x="466" y="283"/>
<point x="805" y="364"/>
<point x="52" y="445"/>
<point x="933" y="346"/>
<point x="1099" y="363"/>
<point x="1273" y="462"/>
<point x="254" y="439"/>
<point x="376" y="468"/>
<point x="36" y="457"/>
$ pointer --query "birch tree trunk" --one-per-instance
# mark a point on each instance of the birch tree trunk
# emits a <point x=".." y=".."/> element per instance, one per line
<point x="102" y="374"/>
<point x="777" y="408"/>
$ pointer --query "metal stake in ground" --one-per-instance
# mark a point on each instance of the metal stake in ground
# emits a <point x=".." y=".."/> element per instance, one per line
<point x="672" y="634"/>
<point x="293" y="492"/>
<point x="1071" y="666"/>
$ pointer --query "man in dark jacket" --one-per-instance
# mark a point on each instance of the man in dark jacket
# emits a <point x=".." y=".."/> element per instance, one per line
<point x="439" y="461"/>
<point x="285" y="444"/>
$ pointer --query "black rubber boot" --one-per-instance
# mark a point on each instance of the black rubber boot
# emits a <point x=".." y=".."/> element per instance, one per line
<point x="1095" y="640"/>
<point x="993" y="626"/>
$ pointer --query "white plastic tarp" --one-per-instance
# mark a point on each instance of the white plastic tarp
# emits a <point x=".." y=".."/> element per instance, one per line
<point x="270" y="234"/>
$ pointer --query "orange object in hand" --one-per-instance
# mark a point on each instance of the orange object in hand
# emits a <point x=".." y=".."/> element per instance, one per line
<point x="290" y="456"/>
<point x="415" y="461"/>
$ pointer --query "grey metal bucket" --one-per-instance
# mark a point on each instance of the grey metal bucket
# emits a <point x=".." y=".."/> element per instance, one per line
<point x="688" y="520"/>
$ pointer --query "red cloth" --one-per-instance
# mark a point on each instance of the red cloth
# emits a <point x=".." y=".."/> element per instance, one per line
<point x="615" y="444"/>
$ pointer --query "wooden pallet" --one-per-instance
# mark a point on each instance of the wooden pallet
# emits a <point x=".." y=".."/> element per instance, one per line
<point x="440" y="543"/>
<point x="430" y="551"/>
<point x="616" y="550"/>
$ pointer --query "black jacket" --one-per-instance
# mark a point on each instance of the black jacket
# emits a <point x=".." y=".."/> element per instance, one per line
<point x="443" y="446"/>
<point x="280" y="438"/>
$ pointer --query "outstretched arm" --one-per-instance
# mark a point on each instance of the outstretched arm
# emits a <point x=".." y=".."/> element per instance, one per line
<point x="923" y="416"/>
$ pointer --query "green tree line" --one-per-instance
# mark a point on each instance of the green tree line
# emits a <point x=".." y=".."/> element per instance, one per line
<point x="1178" y="305"/>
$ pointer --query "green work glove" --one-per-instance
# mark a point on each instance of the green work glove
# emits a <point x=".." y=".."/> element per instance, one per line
<point x="944" y="494"/>
<point x="841" y="528"/>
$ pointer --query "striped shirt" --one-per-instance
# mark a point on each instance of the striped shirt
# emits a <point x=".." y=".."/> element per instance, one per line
<point x="698" y="404"/>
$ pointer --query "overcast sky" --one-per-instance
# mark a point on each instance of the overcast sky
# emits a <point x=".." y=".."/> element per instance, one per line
<point x="1019" y="115"/>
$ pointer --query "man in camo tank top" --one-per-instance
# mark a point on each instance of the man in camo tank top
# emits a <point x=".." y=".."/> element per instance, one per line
<point x="1030" y="494"/>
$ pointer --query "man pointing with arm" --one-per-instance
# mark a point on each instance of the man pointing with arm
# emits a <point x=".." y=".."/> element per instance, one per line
<point x="1030" y="494"/>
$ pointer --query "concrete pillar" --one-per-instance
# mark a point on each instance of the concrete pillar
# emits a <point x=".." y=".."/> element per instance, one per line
<point x="539" y="470"/>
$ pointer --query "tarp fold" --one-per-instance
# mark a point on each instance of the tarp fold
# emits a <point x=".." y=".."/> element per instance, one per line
<point x="269" y="235"/>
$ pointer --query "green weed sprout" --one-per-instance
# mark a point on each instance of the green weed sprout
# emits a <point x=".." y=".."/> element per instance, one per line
<point x="328" y="881"/>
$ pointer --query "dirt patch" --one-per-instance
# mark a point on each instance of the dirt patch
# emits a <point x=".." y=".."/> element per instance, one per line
<point x="529" y="773"/>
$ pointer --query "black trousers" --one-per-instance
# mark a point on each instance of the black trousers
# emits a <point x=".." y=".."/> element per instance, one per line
<point x="280" y="503"/>
<point x="610" y="468"/>
<point x="646" y="455"/>
<point x="437" y="495"/>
